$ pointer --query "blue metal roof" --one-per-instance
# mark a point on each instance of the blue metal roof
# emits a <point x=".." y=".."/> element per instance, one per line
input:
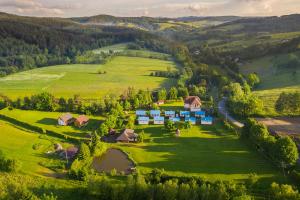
<point x="207" y="119"/>
<point x="174" y="119"/>
<point x="184" y="112"/>
<point x="143" y="119"/>
<point x="140" y="112"/>
<point x="159" y="119"/>
<point x="200" y="112"/>
<point x="154" y="112"/>
<point x="169" y="112"/>
<point x="190" y="119"/>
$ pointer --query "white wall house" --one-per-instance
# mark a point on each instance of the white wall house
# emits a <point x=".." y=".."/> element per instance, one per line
<point x="159" y="120"/>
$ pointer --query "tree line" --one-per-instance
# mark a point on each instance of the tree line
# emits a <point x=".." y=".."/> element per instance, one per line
<point x="281" y="150"/>
<point x="288" y="103"/>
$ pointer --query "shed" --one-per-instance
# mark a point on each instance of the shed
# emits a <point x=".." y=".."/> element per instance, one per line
<point x="184" y="113"/>
<point x="159" y="120"/>
<point x="140" y="113"/>
<point x="190" y="119"/>
<point x="174" y="119"/>
<point x="170" y="113"/>
<point x="160" y="102"/>
<point x="143" y="120"/>
<point x="200" y="114"/>
<point x="70" y="152"/>
<point x="154" y="113"/>
<point x="207" y="120"/>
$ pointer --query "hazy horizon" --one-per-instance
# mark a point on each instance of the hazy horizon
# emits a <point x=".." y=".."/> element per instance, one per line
<point x="153" y="8"/>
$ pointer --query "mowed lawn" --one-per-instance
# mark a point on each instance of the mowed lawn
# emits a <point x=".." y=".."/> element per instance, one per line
<point x="48" y="121"/>
<point x="18" y="144"/>
<point x="273" y="81"/>
<point x="67" y="80"/>
<point x="206" y="151"/>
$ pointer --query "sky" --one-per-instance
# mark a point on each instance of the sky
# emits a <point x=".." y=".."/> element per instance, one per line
<point x="152" y="8"/>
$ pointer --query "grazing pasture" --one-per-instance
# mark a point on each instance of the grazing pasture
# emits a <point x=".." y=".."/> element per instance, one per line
<point x="207" y="151"/>
<point x="273" y="80"/>
<point x="29" y="149"/>
<point x="83" y="79"/>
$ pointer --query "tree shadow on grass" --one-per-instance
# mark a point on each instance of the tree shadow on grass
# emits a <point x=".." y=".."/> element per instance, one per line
<point x="213" y="156"/>
<point x="48" y="121"/>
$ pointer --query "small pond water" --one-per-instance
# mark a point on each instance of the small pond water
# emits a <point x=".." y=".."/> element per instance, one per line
<point x="113" y="159"/>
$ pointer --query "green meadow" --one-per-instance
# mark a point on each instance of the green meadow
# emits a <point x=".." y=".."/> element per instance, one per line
<point x="273" y="81"/>
<point x="83" y="79"/>
<point x="29" y="149"/>
<point x="206" y="151"/>
<point x="48" y="121"/>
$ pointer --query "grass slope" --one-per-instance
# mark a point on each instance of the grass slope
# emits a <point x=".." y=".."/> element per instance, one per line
<point x="18" y="144"/>
<point x="206" y="151"/>
<point x="273" y="80"/>
<point x="48" y="121"/>
<point x="83" y="79"/>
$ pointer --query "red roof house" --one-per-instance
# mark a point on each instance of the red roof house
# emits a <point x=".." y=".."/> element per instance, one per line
<point x="81" y="121"/>
<point x="193" y="103"/>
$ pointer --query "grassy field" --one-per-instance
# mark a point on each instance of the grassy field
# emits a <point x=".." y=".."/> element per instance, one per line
<point x="273" y="81"/>
<point x="48" y="121"/>
<point x="116" y="48"/>
<point x="204" y="151"/>
<point x="66" y="80"/>
<point x="18" y="144"/>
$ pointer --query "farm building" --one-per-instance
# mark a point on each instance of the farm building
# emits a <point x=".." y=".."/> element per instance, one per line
<point x="159" y="120"/>
<point x="207" y="120"/>
<point x="65" y="119"/>
<point x="170" y="113"/>
<point x="193" y="103"/>
<point x="174" y="119"/>
<point x="160" y="102"/>
<point x="69" y="153"/>
<point x="200" y="113"/>
<point x="81" y="121"/>
<point x="190" y="119"/>
<point x="143" y="120"/>
<point x="184" y="113"/>
<point x="140" y="113"/>
<point x="128" y="135"/>
<point x="154" y="113"/>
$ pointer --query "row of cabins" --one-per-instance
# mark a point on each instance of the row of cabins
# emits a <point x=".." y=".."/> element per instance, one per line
<point x="67" y="119"/>
<point x="158" y="119"/>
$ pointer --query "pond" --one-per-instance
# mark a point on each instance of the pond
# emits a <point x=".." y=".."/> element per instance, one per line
<point x="113" y="159"/>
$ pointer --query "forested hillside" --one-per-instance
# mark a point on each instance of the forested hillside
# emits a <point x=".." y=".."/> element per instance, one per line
<point x="27" y="42"/>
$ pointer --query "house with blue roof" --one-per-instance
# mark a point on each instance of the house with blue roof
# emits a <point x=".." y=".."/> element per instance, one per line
<point x="190" y="119"/>
<point x="207" y="120"/>
<point x="140" y="113"/>
<point x="174" y="119"/>
<point x="170" y="114"/>
<point x="143" y="120"/>
<point x="154" y="113"/>
<point x="200" y="114"/>
<point x="184" y="113"/>
<point x="159" y="120"/>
